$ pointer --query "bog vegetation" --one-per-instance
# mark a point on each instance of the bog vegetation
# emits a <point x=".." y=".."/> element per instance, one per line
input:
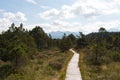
<point x="35" y="55"/>
<point x="100" y="59"/>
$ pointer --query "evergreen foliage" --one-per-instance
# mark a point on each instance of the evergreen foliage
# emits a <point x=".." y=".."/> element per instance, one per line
<point x="18" y="46"/>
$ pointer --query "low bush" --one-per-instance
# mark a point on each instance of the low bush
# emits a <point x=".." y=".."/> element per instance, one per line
<point x="5" y="70"/>
<point x="56" y="65"/>
<point x="15" y="77"/>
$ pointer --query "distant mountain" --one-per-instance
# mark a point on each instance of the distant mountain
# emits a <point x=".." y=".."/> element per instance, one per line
<point x="59" y="34"/>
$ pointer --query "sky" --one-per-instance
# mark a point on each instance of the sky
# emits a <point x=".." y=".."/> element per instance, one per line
<point x="61" y="15"/>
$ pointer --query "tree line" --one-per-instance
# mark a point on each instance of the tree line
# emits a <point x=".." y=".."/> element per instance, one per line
<point x="103" y="47"/>
<point x="18" y="46"/>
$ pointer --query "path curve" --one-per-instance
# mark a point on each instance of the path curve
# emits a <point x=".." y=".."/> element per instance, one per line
<point x="73" y="71"/>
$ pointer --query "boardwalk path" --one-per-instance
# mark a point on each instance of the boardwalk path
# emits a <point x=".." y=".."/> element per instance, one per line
<point x="73" y="71"/>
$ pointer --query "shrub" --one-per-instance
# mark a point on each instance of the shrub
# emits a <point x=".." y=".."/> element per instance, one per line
<point x="116" y="56"/>
<point x="14" y="77"/>
<point x="56" y="65"/>
<point x="5" y="70"/>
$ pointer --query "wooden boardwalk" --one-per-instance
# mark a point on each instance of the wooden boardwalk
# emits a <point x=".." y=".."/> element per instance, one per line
<point x="73" y="71"/>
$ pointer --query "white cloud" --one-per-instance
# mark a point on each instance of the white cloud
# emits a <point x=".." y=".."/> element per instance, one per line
<point x="63" y="26"/>
<point x="109" y="25"/>
<point x="49" y="14"/>
<point x="85" y="8"/>
<point x="1" y="10"/>
<point x="117" y="1"/>
<point x="64" y="13"/>
<point x="32" y="1"/>
<point x="45" y="7"/>
<point x="19" y="16"/>
<point x="4" y="24"/>
<point x="80" y="9"/>
<point x="58" y="25"/>
<point x="8" y="17"/>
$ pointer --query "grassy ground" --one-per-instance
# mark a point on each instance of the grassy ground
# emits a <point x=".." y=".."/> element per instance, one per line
<point x="46" y="65"/>
<point x="109" y="71"/>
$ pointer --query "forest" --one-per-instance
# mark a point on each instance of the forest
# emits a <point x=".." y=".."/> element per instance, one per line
<point x="35" y="55"/>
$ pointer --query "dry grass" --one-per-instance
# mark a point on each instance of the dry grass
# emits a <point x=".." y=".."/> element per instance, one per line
<point x="109" y="71"/>
<point x="46" y="65"/>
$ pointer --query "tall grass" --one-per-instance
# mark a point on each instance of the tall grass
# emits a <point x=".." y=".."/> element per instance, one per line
<point x="45" y="65"/>
<point x="109" y="71"/>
